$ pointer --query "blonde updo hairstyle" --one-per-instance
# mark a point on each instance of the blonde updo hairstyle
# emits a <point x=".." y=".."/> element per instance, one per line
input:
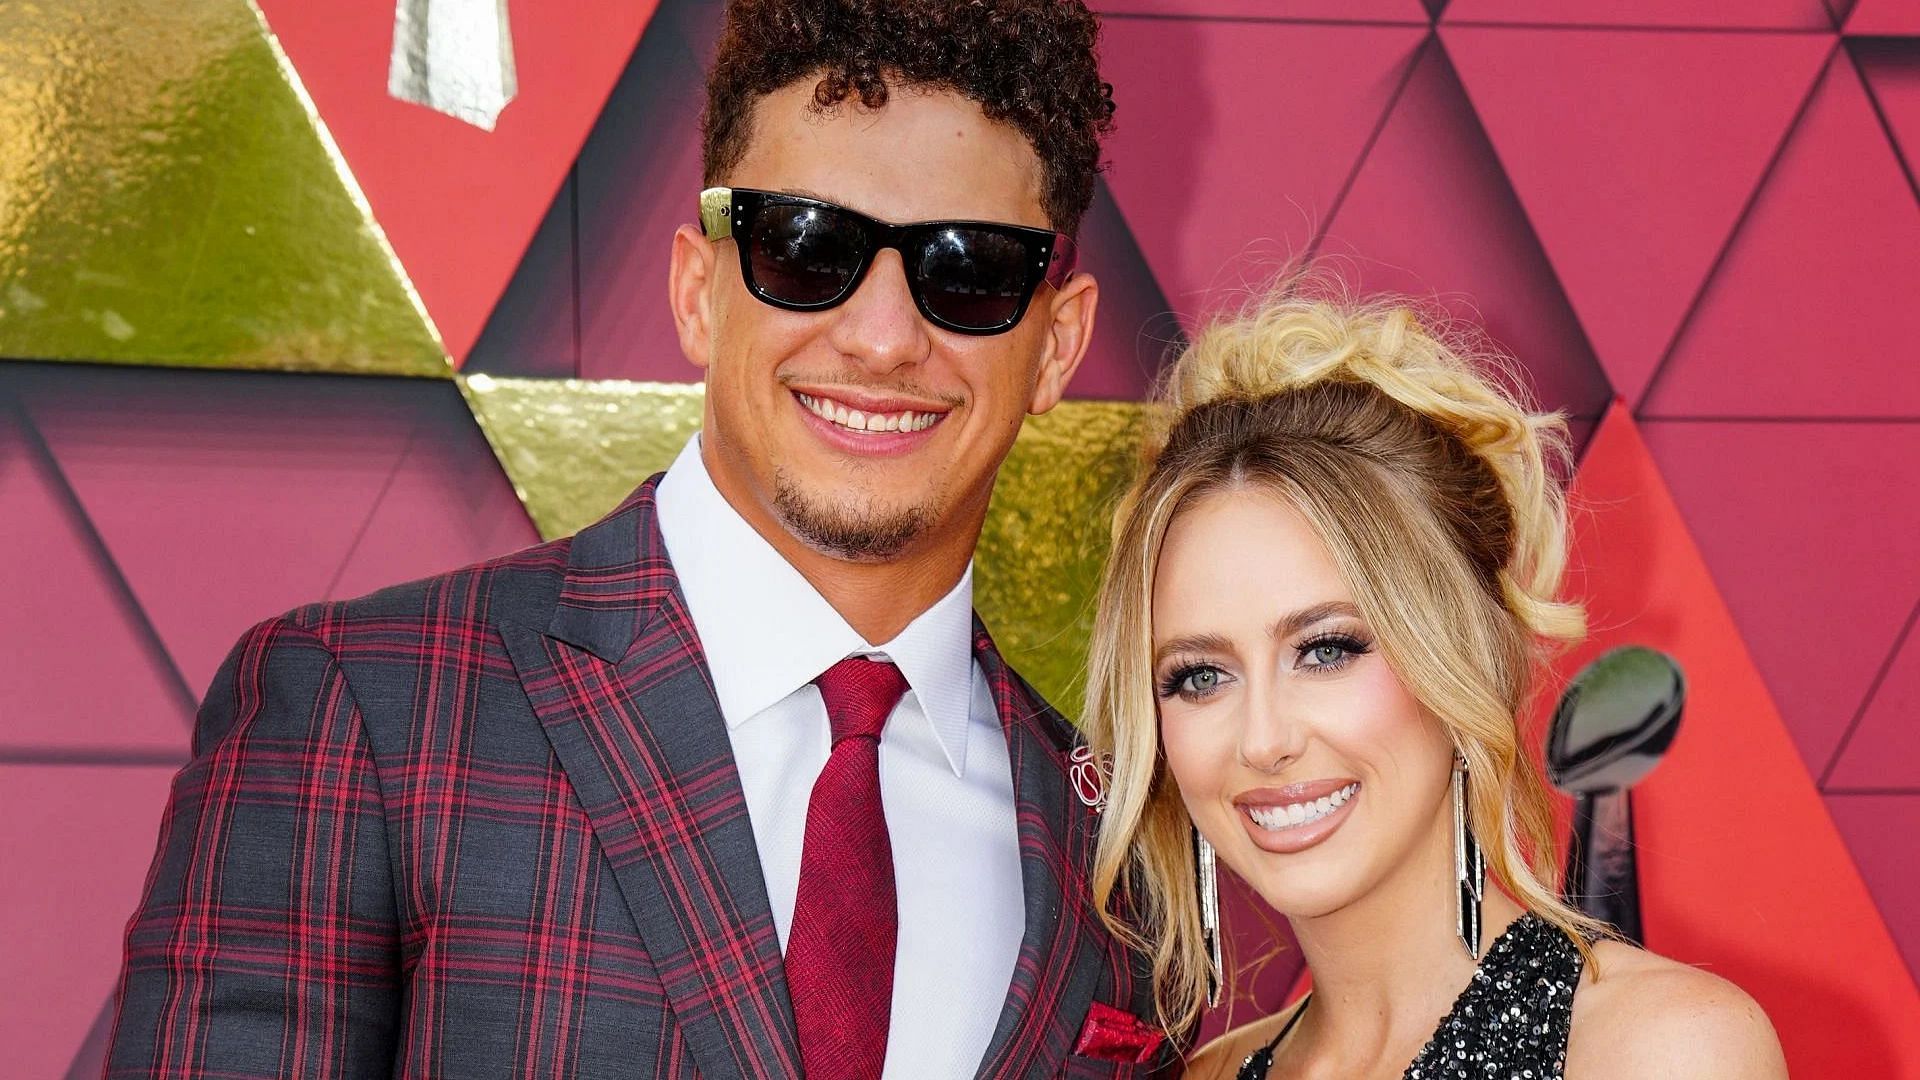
<point x="1430" y="485"/>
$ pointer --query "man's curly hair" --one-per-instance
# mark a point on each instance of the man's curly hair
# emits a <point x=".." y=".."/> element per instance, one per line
<point x="1030" y="64"/>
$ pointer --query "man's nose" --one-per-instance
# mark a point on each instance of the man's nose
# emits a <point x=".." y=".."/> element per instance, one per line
<point x="879" y="325"/>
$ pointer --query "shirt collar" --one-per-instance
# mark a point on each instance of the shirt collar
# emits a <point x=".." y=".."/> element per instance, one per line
<point x="766" y="632"/>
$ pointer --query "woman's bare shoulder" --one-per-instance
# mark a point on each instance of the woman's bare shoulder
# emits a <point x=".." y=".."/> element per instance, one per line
<point x="1645" y="1015"/>
<point x="1221" y="1058"/>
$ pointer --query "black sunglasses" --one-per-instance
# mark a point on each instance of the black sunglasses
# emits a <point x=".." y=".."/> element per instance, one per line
<point x="971" y="277"/>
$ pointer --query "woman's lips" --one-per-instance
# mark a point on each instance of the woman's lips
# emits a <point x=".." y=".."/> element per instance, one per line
<point x="1298" y="816"/>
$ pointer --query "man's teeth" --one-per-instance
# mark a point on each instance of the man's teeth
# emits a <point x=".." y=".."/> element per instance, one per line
<point x="1304" y="813"/>
<point x="856" y="420"/>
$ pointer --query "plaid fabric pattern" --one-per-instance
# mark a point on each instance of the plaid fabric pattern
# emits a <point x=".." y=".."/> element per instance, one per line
<point x="489" y="825"/>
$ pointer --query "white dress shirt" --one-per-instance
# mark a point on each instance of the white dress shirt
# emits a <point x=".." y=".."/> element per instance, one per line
<point x="946" y="782"/>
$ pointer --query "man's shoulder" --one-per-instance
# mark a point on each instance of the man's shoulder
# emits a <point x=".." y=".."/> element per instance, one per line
<point x="516" y="588"/>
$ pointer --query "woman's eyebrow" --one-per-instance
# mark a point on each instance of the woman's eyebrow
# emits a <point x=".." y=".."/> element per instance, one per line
<point x="1192" y="643"/>
<point x="1292" y="624"/>
<point x="1286" y="626"/>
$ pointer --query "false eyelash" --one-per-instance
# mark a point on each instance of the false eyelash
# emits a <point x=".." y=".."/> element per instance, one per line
<point x="1353" y="646"/>
<point x="1170" y="686"/>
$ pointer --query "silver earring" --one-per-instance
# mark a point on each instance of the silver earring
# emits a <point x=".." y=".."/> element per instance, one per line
<point x="1209" y="913"/>
<point x="1469" y="865"/>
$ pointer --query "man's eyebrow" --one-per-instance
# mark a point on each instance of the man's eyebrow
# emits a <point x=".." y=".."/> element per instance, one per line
<point x="1295" y="622"/>
<point x="1192" y="643"/>
<point x="807" y="193"/>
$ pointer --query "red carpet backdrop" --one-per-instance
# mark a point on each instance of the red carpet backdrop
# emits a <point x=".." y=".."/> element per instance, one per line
<point x="256" y="311"/>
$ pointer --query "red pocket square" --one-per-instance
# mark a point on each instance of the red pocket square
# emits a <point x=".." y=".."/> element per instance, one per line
<point x="1112" y="1035"/>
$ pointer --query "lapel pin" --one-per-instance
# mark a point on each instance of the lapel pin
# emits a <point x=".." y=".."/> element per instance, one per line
<point x="1089" y="776"/>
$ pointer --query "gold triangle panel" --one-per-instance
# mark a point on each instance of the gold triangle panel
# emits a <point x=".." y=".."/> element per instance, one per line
<point x="168" y="196"/>
<point x="574" y="449"/>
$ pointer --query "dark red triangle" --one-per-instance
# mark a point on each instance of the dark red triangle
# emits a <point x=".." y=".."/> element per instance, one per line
<point x="1329" y="10"/>
<point x="1892" y="72"/>
<point x="1742" y="872"/>
<point x="1677" y="14"/>
<point x="1633" y="155"/>
<point x="1813" y="535"/>
<point x="1136" y="333"/>
<point x="1220" y="190"/>
<point x="68" y="619"/>
<point x="447" y="504"/>
<point x="1880" y="831"/>
<point x="1883" y="750"/>
<point x="638" y="179"/>
<point x="1431" y="213"/>
<point x="1885" y="17"/>
<point x="78" y="840"/>
<point x="235" y="497"/>
<point x="1798" y="318"/>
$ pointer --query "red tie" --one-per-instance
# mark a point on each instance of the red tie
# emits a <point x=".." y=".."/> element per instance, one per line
<point x="845" y="918"/>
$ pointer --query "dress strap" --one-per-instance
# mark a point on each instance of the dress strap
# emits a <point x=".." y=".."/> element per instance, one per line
<point x="1260" y="1061"/>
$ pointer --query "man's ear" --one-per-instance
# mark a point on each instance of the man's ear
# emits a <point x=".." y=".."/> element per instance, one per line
<point x="1069" y="329"/>
<point x="690" y="273"/>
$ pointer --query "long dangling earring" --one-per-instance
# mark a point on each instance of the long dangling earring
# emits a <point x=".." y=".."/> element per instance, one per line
<point x="1209" y="913"/>
<point x="1469" y="865"/>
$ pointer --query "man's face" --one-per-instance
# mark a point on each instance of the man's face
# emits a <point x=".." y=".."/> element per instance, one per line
<point x="782" y="386"/>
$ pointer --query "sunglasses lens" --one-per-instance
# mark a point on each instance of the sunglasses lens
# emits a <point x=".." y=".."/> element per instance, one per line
<point x="804" y="254"/>
<point x="974" y="278"/>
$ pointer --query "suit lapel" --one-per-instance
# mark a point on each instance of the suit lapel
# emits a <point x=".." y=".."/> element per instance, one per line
<point x="1065" y="955"/>
<point x="622" y="690"/>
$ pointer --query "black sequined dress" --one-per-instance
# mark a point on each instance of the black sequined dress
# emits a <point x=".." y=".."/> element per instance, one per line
<point x="1512" y="1020"/>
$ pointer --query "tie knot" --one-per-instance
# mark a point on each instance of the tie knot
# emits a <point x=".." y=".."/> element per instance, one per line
<point x="860" y="693"/>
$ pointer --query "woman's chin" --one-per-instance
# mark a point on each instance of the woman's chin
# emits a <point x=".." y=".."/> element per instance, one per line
<point x="1296" y="903"/>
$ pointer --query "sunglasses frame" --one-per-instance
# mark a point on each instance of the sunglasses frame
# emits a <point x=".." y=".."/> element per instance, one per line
<point x="1051" y="255"/>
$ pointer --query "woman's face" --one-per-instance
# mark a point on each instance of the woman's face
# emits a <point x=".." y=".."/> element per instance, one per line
<point x="1298" y="752"/>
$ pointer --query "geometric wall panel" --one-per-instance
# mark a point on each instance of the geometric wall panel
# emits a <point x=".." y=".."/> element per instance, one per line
<point x="1741" y="869"/>
<point x="446" y="504"/>
<point x="166" y="198"/>
<point x="1880" y="831"/>
<point x="1136" y="332"/>
<point x="235" y="497"/>
<point x="1678" y="14"/>
<point x="458" y="202"/>
<point x="1633" y="162"/>
<point x="1901" y="17"/>
<point x="1812" y="533"/>
<point x="1892" y="71"/>
<point x="1274" y="171"/>
<point x="534" y="329"/>
<point x="78" y="839"/>
<point x="638" y="180"/>
<point x="83" y="675"/>
<point x="1118" y="11"/>
<point x="1883" y="752"/>
<point x="1431" y="212"/>
<point x="1805" y="317"/>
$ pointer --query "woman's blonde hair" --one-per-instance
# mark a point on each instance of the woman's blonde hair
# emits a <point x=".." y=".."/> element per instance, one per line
<point x="1431" y="486"/>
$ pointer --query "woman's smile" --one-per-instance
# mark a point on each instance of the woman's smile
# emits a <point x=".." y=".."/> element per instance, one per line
<point x="1296" y="817"/>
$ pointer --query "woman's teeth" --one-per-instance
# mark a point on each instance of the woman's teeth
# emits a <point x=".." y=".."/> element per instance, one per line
<point x="1303" y="813"/>
<point x="853" y="419"/>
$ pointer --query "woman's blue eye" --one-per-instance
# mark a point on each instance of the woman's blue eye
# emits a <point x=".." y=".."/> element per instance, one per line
<point x="1195" y="681"/>
<point x="1332" y="652"/>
